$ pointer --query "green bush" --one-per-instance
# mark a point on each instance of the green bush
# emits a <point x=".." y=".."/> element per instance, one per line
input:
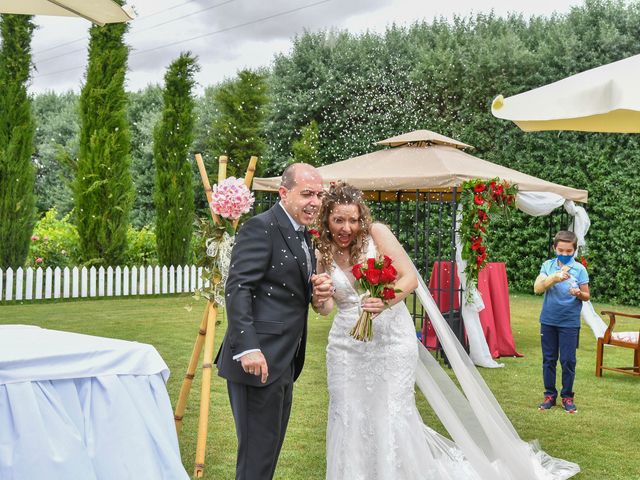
<point x="141" y="247"/>
<point x="55" y="242"/>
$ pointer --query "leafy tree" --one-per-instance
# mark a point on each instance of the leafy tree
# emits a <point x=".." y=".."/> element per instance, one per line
<point x="145" y="110"/>
<point x="17" y="199"/>
<point x="103" y="187"/>
<point x="305" y="149"/>
<point x="173" y="195"/>
<point x="56" y="141"/>
<point x="237" y="130"/>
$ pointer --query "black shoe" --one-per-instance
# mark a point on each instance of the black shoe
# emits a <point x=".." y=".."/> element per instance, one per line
<point x="568" y="405"/>
<point x="549" y="402"/>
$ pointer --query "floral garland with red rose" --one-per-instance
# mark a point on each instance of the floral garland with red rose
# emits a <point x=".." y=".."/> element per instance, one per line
<point x="481" y="200"/>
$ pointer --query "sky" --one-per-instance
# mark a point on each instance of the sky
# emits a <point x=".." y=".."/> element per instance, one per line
<point x="229" y="35"/>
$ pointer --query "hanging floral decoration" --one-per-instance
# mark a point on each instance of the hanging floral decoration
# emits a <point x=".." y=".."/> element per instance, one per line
<point x="230" y="199"/>
<point x="481" y="200"/>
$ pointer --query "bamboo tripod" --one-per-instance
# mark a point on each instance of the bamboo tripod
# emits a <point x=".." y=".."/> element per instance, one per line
<point x="206" y="333"/>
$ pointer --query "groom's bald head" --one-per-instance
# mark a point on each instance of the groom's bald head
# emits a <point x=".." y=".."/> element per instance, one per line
<point x="295" y="172"/>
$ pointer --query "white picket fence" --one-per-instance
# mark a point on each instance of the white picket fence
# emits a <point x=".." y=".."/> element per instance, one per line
<point x="82" y="282"/>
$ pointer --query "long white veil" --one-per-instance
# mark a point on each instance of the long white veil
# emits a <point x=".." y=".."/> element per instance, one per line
<point x="472" y="415"/>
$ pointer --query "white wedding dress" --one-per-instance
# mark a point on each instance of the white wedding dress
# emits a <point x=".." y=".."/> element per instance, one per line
<point x="374" y="429"/>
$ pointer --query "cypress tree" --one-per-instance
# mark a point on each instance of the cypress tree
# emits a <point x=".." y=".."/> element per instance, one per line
<point x="17" y="177"/>
<point x="173" y="136"/>
<point x="103" y="188"/>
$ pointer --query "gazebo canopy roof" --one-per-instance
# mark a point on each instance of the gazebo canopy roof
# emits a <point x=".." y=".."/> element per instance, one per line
<point x="422" y="138"/>
<point x="434" y="165"/>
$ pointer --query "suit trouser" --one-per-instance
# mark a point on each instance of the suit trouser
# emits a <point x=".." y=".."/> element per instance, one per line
<point x="261" y="416"/>
<point x="562" y="342"/>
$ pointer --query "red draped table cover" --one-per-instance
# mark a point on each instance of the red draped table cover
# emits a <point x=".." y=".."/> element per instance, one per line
<point x="496" y="315"/>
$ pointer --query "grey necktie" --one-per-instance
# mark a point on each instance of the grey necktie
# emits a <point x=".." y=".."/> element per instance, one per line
<point x="305" y="247"/>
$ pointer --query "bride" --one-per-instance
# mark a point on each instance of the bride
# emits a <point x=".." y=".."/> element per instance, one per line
<point x="374" y="429"/>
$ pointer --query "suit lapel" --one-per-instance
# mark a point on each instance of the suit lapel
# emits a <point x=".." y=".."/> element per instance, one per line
<point x="291" y="239"/>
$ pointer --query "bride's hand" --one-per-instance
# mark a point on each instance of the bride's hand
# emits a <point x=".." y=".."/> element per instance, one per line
<point x="373" y="305"/>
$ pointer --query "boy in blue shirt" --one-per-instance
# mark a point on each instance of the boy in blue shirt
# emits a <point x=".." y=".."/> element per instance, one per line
<point x="565" y="284"/>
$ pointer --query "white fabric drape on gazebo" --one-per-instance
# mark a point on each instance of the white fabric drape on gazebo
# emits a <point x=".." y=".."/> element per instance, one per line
<point x="543" y="203"/>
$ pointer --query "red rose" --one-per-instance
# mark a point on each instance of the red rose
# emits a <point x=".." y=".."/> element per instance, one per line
<point x="492" y="186"/>
<point x="373" y="275"/>
<point x="476" y="243"/>
<point x="357" y="271"/>
<point x="314" y="233"/>
<point x="498" y="193"/>
<point x="478" y="200"/>
<point x="480" y="259"/>
<point x="371" y="263"/>
<point x="482" y="215"/>
<point x="389" y="274"/>
<point x="386" y="262"/>
<point x="481" y="250"/>
<point x="480" y="187"/>
<point x="479" y="226"/>
<point x="388" y="294"/>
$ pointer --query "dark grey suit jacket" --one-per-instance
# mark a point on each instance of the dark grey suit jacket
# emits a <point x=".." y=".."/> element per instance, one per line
<point x="267" y="298"/>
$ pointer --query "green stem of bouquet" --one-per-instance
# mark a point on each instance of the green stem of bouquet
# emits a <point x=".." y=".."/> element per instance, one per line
<point x="363" y="330"/>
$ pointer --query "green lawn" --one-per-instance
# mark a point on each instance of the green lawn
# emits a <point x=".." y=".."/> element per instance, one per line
<point x="603" y="437"/>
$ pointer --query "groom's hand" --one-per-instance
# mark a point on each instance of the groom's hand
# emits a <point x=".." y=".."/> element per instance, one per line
<point x="254" y="363"/>
<point x="323" y="288"/>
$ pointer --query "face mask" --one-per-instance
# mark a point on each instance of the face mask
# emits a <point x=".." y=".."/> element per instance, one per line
<point x="565" y="259"/>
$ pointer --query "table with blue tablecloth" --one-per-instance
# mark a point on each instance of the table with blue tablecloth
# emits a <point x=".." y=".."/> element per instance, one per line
<point x="76" y="406"/>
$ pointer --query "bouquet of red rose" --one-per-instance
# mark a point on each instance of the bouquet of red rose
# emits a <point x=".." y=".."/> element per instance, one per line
<point x="375" y="278"/>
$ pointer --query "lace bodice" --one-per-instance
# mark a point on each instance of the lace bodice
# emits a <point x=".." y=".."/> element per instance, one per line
<point x="346" y="297"/>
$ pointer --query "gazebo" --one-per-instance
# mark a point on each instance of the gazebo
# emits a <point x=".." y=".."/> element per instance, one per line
<point x="419" y="178"/>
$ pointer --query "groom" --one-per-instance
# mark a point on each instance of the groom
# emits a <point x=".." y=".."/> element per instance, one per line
<point x="268" y="291"/>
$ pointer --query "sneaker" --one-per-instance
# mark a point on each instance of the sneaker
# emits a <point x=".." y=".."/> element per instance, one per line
<point x="568" y="405"/>
<point x="549" y="402"/>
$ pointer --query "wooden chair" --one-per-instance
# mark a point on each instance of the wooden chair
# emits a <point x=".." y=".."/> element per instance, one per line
<point x="629" y="340"/>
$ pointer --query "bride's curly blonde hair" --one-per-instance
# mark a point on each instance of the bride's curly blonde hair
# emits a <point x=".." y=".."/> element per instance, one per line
<point x="341" y="193"/>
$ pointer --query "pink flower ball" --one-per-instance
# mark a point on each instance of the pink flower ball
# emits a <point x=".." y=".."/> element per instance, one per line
<point x="39" y="260"/>
<point x="231" y="198"/>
